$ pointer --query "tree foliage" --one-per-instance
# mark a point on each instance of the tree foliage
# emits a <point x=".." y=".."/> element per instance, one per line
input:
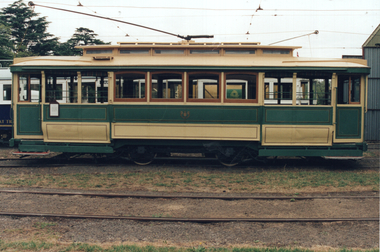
<point x="28" y="31"/>
<point x="81" y="37"/>
<point x="24" y="33"/>
<point x="5" y="42"/>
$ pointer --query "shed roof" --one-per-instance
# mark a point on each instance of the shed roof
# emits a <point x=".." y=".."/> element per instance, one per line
<point x="374" y="39"/>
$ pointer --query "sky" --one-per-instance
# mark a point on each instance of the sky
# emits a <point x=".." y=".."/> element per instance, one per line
<point x="343" y="25"/>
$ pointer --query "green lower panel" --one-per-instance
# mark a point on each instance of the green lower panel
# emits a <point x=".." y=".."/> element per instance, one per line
<point x="78" y="113"/>
<point x="289" y="152"/>
<point x="186" y="114"/>
<point x="29" y="120"/>
<point x="41" y="147"/>
<point x="298" y="115"/>
<point x="348" y="122"/>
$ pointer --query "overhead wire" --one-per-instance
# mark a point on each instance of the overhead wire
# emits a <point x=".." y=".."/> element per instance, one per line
<point x="188" y="37"/>
<point x="211" y="9"/>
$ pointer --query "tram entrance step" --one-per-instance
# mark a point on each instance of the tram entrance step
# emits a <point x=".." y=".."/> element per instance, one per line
<point x="31" y="153"/>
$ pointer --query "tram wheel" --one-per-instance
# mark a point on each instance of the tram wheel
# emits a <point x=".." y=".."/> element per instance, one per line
<point x="232" y="156"/>
<point x="229" y="157"/>
<point x="142" y="155"/>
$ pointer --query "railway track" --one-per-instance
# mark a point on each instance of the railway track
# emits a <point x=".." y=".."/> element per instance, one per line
<point x="114" y="195"/>
<point x="367" y="163"/>
<point x="186" y="219"/>
<point x="196" y="220"/>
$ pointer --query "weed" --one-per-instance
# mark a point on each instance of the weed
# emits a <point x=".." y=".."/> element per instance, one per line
<point x="157" y="215"/>
<point x="42" y="225"/>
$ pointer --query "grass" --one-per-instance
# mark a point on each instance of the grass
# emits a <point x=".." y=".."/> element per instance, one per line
<point x="42" y="246"/>
<point x="236" y="181"/>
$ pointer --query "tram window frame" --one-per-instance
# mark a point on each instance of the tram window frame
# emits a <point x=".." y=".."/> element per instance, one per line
<point x="202" y="51"/>
<point x="347" y="92"/>
<point x="66" y="87"/>
<point x="246" y="89"/>
<point x="276" y="52"/>
<point x="239" y="52"/>
<point x="7" y="92"/>
<point x="205" y="74"/>
<point x="92" y="88"/>
<point x="278" y="96"/>
<point x="135" y="52"/>
<point x="140" y="91"/>
<point x="312" y="91"/>
<point x="169" y="52"/>
<point x="29" y="87"/>
<point x="165" y="99"/>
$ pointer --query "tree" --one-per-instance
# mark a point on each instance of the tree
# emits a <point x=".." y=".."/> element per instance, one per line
<point x="5" y="43"/>
<point x="81" y="37"/>
<point x="27" y="31"/>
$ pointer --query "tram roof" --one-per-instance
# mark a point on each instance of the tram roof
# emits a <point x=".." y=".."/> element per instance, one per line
<point x="112" y="59"/>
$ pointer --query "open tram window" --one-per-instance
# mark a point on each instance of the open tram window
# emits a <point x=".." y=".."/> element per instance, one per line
<point x="94" y="87"/>
<point x="348" y="89"/>
<point x="167" y="86"/>
<point x="62" y="88"/>
<point x="314" y="91"/>
<point x="29" y="87"/>
<point x="204" y="86"/>
<point x="278" y="91"/>
<point x="130" y="86"/>
<point x="241" y="87"/>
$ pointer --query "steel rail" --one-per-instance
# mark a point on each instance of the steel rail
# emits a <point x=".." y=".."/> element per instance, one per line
<point x="112" y="195"/>
<point x="197" y="220"/>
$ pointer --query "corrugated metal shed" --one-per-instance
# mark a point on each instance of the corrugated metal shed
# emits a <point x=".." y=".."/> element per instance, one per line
<point x="371" y="50"/>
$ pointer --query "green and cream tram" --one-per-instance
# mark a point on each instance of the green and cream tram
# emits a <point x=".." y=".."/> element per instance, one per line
<point x="231" y="100"/>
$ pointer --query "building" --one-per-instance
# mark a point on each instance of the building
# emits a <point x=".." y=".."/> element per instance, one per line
<point x="371" y="52"/>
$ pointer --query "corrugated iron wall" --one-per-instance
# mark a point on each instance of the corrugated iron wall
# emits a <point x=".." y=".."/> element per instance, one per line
<point x="372" y="117"/>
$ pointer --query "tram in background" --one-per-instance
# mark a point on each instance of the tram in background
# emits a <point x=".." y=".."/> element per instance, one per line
<point x="232" y="100"/>
<point x="5" y="105"/>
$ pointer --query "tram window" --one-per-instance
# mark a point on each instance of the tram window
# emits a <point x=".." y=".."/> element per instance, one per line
<point x="204" y="51"/>
<point x="355" y="89"/>
<point x="204" y="86"/>
<point x="348" y="89"/>
<point x="241" y="87"/>
<point x="62" y="88"/>
<point x="167" y="86"/>
<point x="275" y="51"/>
<point x="130" y="86"/>
<point x="29" y="87"/>
<point x="23" y="88"/>
<point x="94" y="88"/>
<point x="278" y="91"/>
<point x="313" y="91"/>
<point x="129" y="51"/>
<point x="97" y="51"/>
<point x="167" y="51"/>
<point x="237" y="51"/>
<point x="7" y="92"/>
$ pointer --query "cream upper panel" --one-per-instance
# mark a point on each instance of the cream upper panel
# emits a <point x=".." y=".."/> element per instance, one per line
<point x="234" y="61"/>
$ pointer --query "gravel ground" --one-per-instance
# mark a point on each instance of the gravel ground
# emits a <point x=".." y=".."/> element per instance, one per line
<point x="363" y="235"/>
<point x="318" y="236"/>
<point x="335" y="235"/>
<point x="190" y="208"/>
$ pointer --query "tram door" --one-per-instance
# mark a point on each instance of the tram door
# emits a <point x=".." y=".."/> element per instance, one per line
<point x="349" y="108"/>
<point x="28" y="106"/>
